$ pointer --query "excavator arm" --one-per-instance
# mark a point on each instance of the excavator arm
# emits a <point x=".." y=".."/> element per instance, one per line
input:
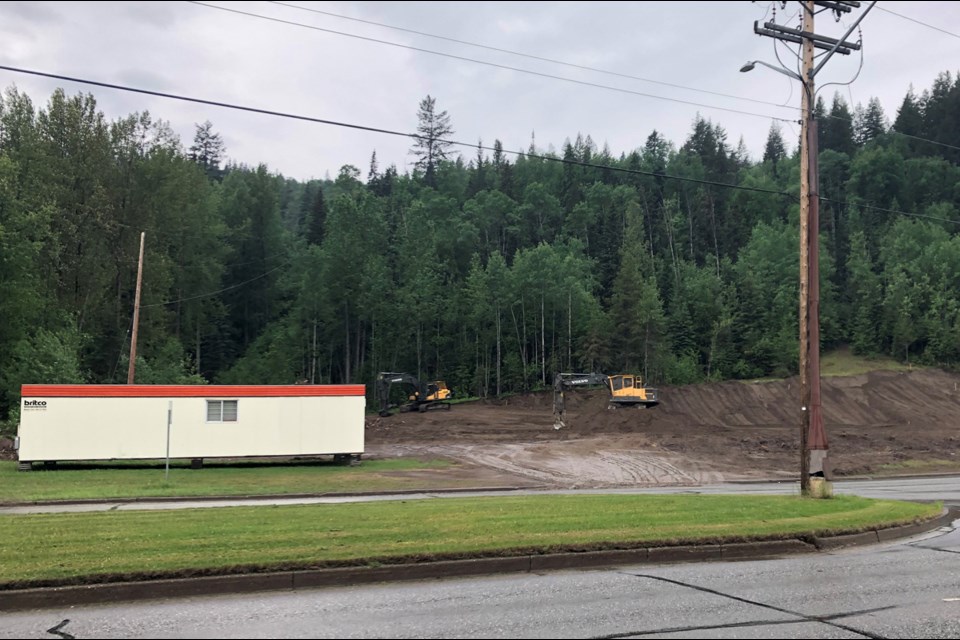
<point x="563" y="381"/>
<point x="385" y="379"/>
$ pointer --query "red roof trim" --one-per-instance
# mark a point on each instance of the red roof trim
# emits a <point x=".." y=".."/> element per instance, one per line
<point x="188" y="391"/>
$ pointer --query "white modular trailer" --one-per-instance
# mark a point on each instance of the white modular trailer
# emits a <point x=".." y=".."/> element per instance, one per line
<point x="129" y="422"/>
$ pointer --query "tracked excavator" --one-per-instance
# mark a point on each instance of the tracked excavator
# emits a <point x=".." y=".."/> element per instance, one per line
<point x="423" y="395"/>
<point x="625" y="390"/>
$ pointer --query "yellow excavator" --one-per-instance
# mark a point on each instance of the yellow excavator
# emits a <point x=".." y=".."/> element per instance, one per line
<point x="626" y="390"/>
<point x="423" y="396"/>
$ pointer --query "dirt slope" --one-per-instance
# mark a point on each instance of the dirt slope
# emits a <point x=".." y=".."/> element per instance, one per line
<point x="700" y="433"/>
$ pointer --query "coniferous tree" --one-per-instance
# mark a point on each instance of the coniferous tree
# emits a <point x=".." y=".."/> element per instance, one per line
<point x="208" y="150"/>
<point x="431" y="146"/>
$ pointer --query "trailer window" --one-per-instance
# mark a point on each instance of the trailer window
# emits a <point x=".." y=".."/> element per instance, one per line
<point x="221" y="410"/>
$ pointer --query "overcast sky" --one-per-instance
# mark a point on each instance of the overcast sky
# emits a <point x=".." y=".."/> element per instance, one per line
<point x="184" y="48"/>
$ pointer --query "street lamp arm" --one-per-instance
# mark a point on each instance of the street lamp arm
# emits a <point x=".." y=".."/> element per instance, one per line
<point x="749" y="66"/>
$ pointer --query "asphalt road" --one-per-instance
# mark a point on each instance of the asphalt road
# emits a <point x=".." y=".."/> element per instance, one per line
<point x="907" y="589"/>
<point x="946" y="488"/>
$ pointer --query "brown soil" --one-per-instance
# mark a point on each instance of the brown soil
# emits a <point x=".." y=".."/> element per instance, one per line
<point x="700" y="433"/>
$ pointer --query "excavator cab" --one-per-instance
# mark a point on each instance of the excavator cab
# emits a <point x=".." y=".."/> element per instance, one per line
<point x="628" y="390"/>
<point x="436" y="390"/>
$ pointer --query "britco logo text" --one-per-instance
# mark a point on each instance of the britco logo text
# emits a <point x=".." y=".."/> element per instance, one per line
<point x="35" y="405"/>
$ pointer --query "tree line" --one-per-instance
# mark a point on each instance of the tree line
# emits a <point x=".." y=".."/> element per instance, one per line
<point x="492" y="271"/>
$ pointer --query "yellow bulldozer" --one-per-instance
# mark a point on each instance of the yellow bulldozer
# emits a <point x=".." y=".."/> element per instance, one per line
<point x="626" y="390"/>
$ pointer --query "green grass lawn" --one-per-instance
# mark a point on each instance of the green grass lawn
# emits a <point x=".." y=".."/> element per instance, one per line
<point x="920" y="466"/>
<point x="72" y="481"/>
<point x="842" y="362"/>
<point x="88" y="547"/>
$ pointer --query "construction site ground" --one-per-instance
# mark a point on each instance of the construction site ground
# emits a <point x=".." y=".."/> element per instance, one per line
<point x="877" y="423"/>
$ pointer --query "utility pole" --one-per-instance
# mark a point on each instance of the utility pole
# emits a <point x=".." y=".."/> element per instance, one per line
<point x="809" y="315"/>
<point x="813" y="436"/>
<point x="136" y="315"/>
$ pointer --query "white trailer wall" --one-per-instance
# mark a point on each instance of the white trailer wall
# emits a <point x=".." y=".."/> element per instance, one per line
<point x="270" y="421"/>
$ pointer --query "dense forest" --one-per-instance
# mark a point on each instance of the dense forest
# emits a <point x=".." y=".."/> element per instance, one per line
<point x="492" y="271"/>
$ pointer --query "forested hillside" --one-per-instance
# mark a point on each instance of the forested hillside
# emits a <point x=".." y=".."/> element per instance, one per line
<point x="490" y="270"/>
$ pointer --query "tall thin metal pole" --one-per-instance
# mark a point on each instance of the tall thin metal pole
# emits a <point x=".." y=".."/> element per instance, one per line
<point x="166" y="472"/>
<point x="136" y="315"/>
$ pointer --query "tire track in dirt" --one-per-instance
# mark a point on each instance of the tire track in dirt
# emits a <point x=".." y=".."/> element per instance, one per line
<point x="569" y="469"/>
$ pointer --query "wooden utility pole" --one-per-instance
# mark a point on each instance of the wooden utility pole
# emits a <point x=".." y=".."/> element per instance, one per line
<point x="807" y="234"/>
<point x="136" y="315"/>
<point x="813" y="436"/>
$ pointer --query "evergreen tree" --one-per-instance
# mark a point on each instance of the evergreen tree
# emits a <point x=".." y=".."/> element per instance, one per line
<point x="431" y="146"/>
<point x="838" y="133"/>
<point x="909" y="115"/>
<point x="873" y="123"/>
<point x="208" y="150"/>
<point x="864" y="297"/>
<point x="635" y="306"/>
<point x="317" y="220"/>
<point x="774" y="151"/>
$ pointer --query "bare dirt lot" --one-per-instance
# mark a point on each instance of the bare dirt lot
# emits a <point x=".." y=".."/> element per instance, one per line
<point x="879" y="422"/>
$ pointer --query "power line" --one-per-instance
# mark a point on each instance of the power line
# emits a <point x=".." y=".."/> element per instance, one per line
<point x="412" y="136"/>
<point x="218" y="291"/>
<point x="532" y="56"/>
<point x="929" y="26"/>
<point x="212" y="103"/>
<point x="907" y="135"/>
<point x="226" y="267"/>
<point x="897" y="211"/>
<point x="491" y="64"/>
<point x="528" y="71"/>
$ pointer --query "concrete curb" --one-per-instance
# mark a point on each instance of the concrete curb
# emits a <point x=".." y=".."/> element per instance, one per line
<point x="15" y="600"/>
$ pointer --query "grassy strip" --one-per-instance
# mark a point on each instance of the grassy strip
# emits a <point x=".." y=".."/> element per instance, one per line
<point x="920" y="466"/>
<point x="842" y="362"/>
<point x="91" y="547"/>
<point x="146" y="479"/>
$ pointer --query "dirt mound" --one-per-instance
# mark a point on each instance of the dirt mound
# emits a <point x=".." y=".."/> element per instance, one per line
<point x="698" y="433"/>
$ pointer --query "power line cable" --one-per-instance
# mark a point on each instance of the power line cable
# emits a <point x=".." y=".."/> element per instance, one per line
<point x="929" y="26"/>
<point x="528" y="71"/>
<point x="897" y="211"/>
<point x="532" y="56"/>
<point x="490" y="64"/>
<point x="413" y="136"/>
<point x="218" y="291"/>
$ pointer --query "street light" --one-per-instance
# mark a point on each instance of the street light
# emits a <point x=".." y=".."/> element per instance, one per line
<point x="749" y="66"/>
